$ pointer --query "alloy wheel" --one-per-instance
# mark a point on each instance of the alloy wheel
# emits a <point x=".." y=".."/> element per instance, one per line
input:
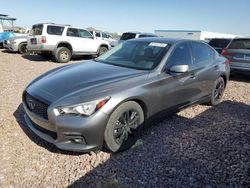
<point x="125" y="126"/>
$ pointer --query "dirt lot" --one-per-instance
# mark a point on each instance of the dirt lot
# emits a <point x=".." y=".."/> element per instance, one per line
<point x="199" y="147"/>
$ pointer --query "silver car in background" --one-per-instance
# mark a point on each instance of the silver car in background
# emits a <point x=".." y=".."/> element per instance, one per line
<point x="16" y="44"/>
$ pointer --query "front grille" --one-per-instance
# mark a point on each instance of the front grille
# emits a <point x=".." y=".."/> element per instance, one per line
<point x="36" y="106"/>
<point x="45" y="131"/>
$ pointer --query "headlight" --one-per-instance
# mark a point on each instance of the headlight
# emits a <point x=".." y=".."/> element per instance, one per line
<point x="86" y="109"/>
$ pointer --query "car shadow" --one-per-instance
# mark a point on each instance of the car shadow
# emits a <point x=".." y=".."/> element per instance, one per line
<point x="240" y="76"/>
<point x="35" y="57"/>
<point x="210" y="150"/>
<point x="8" y="51"/>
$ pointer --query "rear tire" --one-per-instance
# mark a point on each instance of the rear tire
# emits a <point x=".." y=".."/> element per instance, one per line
<point x="63" y="55"/>
<point x="22" y="48"/>
<point x="217" y="92"/>
<point x="102" y="50"/>
<point x="124" y="126"/>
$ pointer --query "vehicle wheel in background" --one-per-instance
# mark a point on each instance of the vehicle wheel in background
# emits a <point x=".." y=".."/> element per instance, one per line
<point x="124" y="126"/>
<point x="22" y="48"/>
<point x="62" y="55"/>
<point x="102" y="50"/>
<point x="217" y="93"/>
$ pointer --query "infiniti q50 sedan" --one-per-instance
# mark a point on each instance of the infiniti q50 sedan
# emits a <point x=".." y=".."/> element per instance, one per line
<point x="106" y="101"/>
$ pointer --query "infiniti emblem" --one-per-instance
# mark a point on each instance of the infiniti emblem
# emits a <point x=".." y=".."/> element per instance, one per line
<point x="31" y="104"/>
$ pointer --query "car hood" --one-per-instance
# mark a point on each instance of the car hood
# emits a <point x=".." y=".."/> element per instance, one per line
<point x="88" y="78"/>
<point x="19" y="37"/>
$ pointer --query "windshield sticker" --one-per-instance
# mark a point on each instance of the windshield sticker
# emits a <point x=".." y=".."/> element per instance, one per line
<point x="158" y="44"/>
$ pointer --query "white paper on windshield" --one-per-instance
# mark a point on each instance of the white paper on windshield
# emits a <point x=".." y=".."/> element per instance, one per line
<point x="158" y="44"/>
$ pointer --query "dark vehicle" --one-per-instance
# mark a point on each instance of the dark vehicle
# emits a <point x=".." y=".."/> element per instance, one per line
<point x="219" y="44"/>
<point x="238" y="53"/>
<point x="83" y="106"/>
<point x="134" y="35"/>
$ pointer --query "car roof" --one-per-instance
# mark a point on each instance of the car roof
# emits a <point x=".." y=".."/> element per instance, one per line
<point x="136" y="32"/>
<point x="161" y="40"/>
<point x="52" y="24"/>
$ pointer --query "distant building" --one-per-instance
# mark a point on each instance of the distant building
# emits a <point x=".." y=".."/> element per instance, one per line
<point x="192" y="34"/>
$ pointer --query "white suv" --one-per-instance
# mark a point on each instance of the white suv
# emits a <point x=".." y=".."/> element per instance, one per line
<point x="63" y="41"/>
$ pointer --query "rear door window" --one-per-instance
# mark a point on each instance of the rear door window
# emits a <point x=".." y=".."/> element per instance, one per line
<point x="55" y="30"/>
<point x="37" y="29"/>
<point x="240" y="44"/>
<point x="127" y="36"/>
<point x="200" y="54"/>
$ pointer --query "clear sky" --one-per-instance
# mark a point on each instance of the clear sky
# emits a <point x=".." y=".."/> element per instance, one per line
<point x="227" y="16"/>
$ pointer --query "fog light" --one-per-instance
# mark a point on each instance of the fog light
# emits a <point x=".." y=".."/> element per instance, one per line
<point x="79" y="140"/>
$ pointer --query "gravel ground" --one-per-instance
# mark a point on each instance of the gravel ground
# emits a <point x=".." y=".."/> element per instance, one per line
<point x="199" y="147"/>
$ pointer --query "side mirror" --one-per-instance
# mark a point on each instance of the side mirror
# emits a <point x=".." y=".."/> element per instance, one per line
<point x="179" y="68"/>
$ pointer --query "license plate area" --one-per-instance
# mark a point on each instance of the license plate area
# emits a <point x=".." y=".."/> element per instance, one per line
<point x="33" y="41"/>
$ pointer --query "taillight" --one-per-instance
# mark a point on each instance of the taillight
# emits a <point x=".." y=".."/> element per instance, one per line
<point x="225" y="53"/>
<point x="227" y="62"/>
<point x="43" y="39"/>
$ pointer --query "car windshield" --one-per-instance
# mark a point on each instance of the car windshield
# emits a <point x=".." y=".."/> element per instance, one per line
<point x="136" y="54"/>
<point x="240" y="44"/>
<point x="219" y="43"/>
<point x="127" y="36"/>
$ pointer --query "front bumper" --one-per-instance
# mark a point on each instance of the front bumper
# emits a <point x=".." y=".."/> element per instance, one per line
<point x="11" y="47"/>
<point x="69" y="132"/>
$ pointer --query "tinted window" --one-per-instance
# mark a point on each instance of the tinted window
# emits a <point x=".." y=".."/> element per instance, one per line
<point x="85" y="34"/>
<point x="211" y="53"/>
<point x="143" y="35"/>
<point x="180" y="56"/>
<point x="55" y="30"/>
<point x="136" y="55"/>
<point x="72" y="32"/>
<point x="97" y="34"/>
<point x="200" y="53"/>
<point x="127" y="36"/>
<point x="37" y="29"/>
<point x="219" y="43"/>
<point x="104" y="35"/>
<point x="240" y="44"/>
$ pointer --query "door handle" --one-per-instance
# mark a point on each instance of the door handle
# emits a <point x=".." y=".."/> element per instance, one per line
<point x="193" y="76"/>
<point x="216" y="67"/>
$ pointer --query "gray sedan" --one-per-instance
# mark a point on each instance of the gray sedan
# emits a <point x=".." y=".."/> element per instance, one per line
<point x="106" y="101"/>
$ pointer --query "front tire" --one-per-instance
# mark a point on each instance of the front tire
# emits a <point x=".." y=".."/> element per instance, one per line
<point x="124" y="126"/>
<point x="63" y="55"/>
<point x="22" y="48"/>
<point x="102" y="50"/>
<point x="217" y="92"/>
